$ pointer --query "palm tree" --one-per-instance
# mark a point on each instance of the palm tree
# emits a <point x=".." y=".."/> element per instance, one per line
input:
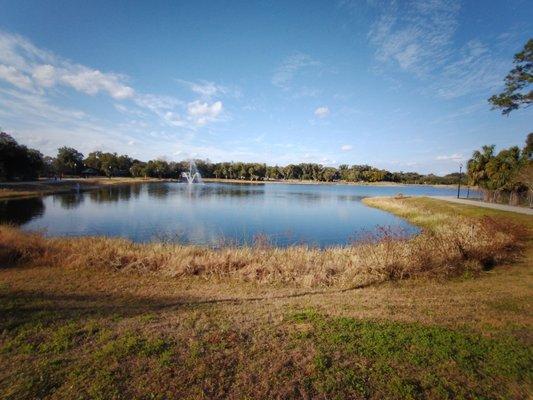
<point x="477" y="173"/>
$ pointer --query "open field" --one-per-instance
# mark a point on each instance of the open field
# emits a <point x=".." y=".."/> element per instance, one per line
<point x="104" y="318"/>
<point x="43" y="187"/>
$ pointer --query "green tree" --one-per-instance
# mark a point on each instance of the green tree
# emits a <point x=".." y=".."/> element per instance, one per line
<point x="517" y="82"/>
<point x="509" y="170"/>
<point x="330" y="174"/>
<point x="17" y="161"/>
<point x="137" y="168"/>
<point x="157" y="169"/>
<point x="109" y="164"/>
<point x="528" y="149"/>
<point x="69" y="160"/>
<point x="476" y="166"/>
<point x="503" y="168"/>
<point x="94" y="161"/>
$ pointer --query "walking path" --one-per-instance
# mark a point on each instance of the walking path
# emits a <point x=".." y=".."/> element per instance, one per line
<point x="503" y="207"/>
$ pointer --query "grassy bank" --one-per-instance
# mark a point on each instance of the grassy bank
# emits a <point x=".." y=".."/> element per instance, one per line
<point x="43" y="187"/>
<point x="97" y="318"/>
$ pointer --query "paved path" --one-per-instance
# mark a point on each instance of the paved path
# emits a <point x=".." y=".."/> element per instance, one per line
<point x="520" y="210"/>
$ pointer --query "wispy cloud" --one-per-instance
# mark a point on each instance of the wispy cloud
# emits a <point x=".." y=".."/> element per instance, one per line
<point x="346" y="147"/>
<point x="322" y="112"/>
<point x="15" y="77"/>
<point x="415" y="35"/>
<point x="285" y="73"/>
<point x="207" y="89"/>
<point x="451" y="157"/>
<point x="419" y="37"/>
<point x="45" y="125"/>
<point x="475" y="69"/>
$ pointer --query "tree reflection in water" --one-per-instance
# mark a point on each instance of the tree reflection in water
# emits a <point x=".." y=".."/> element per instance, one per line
<point x="70" y="200"/>
<point x="113" y="194"/>
<point x="20" y="211"/>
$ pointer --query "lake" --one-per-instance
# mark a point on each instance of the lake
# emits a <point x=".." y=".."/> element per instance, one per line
<point x="216" y="213"/>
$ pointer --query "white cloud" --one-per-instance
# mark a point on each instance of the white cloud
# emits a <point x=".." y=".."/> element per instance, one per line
<point x="29" y="81"/>
<point x="44" y="75"/>
<point x="346" y="147"/>
<point x="157" y="103"/>
<point x="92" y="81"/>
<point x="15" y="77"/>
<point x="174" y="119"/>
<point x="176" y="113"/>
<point x="28" y="67"/>
<point x="207" y="89"/>
<point x="451" y="157"/>
<point x="201" y="113"/>
<point x="287" y="70"/>
<point x="322" y="112"/>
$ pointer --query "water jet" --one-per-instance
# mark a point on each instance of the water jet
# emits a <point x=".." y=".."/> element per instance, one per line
<point x="193" y="175"/>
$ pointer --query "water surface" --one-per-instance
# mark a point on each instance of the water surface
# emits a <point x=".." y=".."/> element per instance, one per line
<point x="215" y="213"/>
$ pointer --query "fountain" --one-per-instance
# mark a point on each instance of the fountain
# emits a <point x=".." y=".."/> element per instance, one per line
<point x="193" y="176"/>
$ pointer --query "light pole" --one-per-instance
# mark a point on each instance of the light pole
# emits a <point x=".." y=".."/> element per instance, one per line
<point x="459" y="185"/>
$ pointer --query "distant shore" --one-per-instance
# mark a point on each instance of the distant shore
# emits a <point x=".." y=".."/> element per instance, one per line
<point x="66" y="185"/>
<point x="307" y="182"/>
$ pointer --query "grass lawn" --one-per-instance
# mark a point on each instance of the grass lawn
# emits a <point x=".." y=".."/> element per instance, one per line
<point x="105" y="333"/>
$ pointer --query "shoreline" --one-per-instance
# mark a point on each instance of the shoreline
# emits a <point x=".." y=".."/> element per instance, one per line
<point x="18" y="190"/>
<point x="12" y="190"/>
<point x="340" y="183"/>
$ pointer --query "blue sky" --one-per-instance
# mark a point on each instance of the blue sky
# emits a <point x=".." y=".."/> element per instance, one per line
<point x="401" y="85"/>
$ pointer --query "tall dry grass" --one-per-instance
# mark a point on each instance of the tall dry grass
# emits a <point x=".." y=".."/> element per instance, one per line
<point x="454" y="245"/>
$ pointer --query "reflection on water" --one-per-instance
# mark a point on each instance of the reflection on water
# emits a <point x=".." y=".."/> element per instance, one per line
<point x="115" y="193"/>
<point x="214" y="214"/>
<point x="71" y="200"/>
<point x="20" y="211"/>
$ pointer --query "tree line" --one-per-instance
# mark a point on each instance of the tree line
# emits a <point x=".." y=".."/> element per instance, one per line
<point x="508" y="173"/>
<point x="18" y="162"/>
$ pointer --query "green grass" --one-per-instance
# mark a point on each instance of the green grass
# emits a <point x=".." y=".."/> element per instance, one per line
<point x="323" y="356"/>
<point x="430" y="213"/>
<point x="403" y="361"/>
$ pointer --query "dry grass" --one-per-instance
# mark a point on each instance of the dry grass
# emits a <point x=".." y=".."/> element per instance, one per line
<point x="449" y="246"/>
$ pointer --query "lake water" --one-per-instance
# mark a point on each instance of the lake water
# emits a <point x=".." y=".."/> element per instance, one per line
<point x="215" y="213"/>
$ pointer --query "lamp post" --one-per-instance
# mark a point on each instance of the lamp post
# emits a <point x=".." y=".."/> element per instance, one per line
<point x="459" y="185"/>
